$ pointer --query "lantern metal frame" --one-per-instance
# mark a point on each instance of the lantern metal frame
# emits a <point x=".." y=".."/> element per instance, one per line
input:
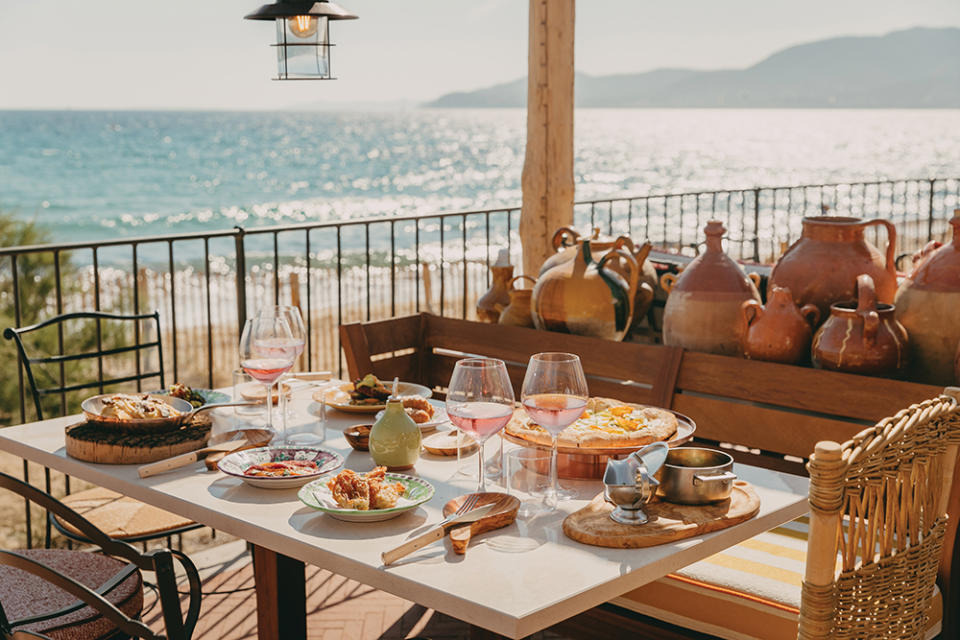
<point x="320" y="9"/>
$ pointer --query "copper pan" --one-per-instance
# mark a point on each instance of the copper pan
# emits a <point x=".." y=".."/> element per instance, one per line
<point x="93" y="409"/>
<point x="583" y="463"/>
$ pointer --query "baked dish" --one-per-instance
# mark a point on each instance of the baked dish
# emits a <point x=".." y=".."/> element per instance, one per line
<point x="363" y="492"/>
<point x="126" y="406"/>
<point x="283" y="469"/>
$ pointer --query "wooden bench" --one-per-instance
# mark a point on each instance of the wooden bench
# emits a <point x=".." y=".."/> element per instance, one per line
<point x="765" y="414"/>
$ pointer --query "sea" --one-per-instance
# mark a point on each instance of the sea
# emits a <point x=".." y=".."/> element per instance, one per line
<point x="89" y="175"/>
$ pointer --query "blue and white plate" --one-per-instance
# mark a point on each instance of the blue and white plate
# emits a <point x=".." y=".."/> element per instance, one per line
<point x="239" y="461"/>
<point x="318" y="496"/>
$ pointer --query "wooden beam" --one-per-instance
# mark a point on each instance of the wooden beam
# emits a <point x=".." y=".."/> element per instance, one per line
<point x="548" y="166"/>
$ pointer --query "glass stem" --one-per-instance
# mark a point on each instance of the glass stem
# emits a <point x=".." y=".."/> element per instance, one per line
<point x="269" y="387"/>
<point x="553" y="496"/>
<point x="483" y="476"/>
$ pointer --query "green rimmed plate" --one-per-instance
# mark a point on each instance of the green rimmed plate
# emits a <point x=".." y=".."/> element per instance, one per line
<point x="317" y="496"/>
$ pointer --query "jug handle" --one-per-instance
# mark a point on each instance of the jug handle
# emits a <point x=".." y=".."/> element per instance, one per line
<point x="891" y="241"/>
<point x="867" y="307"/>
<point x="667" y="281"/>
<point x="561" y="236"/>
<point x="520" y="277"/>
<point x="624" y="241"/>
<point x="755" y="279"/>
<point x="811" y="313"/>
<point x="632" y="279"/>
<point x="752" y="311"/>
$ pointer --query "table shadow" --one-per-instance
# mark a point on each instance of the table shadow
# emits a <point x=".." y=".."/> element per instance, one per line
<point x="235" y="490"/>
<point x="322" y="525"/>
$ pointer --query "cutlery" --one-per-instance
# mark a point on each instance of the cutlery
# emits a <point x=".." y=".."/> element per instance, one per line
<point x="436" y="533"/>
<point x="169" y="464"/>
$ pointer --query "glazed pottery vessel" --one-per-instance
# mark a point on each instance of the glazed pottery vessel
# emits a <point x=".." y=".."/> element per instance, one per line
<point x="497" y="296"/>
<point x="394" y="440"/>
<point x="585" y="296"/>
<point x="928" y="305"/>
<point x="822" y="266"/>
<point x="861" y="337"/>
<point x="703" y="310"/>
<point x="517" y="313"/>
<point x="778" y="332"/>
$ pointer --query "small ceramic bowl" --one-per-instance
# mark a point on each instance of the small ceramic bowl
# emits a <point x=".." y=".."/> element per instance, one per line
<point x="358" y="436"/>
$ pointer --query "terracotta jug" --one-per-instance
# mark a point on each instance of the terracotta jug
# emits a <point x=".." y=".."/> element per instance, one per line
<point x="822" y="266"/>
<point x="928" y="305"/>
<point x="861" y="337"/>
<point x="497" y="296"/>
<point x="703" y="306"/>
<point x="586" y="297"/>
<point x="778" y="332"/>
<point x="566" y="243"/>
<point x="517" y="313"/>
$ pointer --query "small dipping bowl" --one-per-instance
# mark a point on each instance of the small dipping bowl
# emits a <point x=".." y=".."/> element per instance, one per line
<point x="694" y="475"/>
<point x="358" y="436"/>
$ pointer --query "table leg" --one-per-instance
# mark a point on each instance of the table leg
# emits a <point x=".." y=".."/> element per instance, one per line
<point x="281" y="596"/>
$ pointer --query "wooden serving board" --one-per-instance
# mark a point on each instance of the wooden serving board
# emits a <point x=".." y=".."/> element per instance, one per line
<point x="106" y="445"/>
<point x="668" y="522"/>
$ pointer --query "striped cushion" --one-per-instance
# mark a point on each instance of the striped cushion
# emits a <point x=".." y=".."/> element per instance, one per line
<point x="748" y="592"/>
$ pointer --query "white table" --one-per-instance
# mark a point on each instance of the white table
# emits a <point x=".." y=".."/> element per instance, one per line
<point x="509" y="593"/>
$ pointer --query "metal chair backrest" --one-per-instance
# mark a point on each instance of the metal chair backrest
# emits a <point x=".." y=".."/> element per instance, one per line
<point x="61" y="359"/>
<point x="178" y="626"/>
<point x="878" y="510"/>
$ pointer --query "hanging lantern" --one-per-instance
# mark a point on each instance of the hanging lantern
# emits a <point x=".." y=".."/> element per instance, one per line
<point x="303" y="36"/>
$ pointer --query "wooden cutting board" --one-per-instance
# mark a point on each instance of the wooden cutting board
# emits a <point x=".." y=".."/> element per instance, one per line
<point x="105" y="445"/>
<point x="668" y="522"/>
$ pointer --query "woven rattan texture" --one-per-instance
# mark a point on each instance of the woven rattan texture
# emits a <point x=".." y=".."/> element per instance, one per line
<point x="886" y="488"/>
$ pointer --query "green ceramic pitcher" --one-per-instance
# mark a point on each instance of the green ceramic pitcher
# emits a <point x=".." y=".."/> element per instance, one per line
<point x="395" y="438"/>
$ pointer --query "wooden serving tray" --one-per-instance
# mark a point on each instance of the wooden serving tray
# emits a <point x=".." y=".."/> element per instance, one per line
<point x="106" y="445"/>
<point x="668" y="522"/>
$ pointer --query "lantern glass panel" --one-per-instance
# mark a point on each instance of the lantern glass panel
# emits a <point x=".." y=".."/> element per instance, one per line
<point x="303" y="47"/>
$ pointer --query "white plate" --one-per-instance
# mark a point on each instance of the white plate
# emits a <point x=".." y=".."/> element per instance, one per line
<point x="439" y="417"/>
<point x="339" y="397"/>
<point x="317" y="496"/>
<point x="239" y="461"/>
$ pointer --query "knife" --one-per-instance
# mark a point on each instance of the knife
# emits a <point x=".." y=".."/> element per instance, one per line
<point x="184" y="459"/>
<point x="434" y="534"/>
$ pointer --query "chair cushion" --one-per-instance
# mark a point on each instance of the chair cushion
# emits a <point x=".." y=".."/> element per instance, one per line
<point x="749" y="592"/>
<point x="24" y="594"/>
<point x="119" y="516"/>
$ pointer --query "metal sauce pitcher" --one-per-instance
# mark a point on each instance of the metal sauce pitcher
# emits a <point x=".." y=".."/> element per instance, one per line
<point x="629" y="483"/>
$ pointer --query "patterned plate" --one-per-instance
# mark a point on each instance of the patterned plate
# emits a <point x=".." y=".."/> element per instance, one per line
<point x="318" y="496"/>
<point x="209" y="395"/>
<point x="239" y="461"/>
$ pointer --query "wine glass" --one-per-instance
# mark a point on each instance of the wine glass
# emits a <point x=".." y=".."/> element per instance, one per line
<point x="554" y="395"/>
<point x="480" y="401"/>
<point x="267" y="351"/>
<point x="292" y="315"/>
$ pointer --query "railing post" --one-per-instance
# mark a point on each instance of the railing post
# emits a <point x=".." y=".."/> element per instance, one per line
<point x="241" y="260"/>
<point x="756" y="224"/>
<point x="930" y="211"/>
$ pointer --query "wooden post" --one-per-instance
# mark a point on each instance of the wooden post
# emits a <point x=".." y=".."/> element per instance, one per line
<point x="548" y="166"/>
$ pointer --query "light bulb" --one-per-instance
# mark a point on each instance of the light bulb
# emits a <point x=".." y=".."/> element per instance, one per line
<point x="303" y="26"/>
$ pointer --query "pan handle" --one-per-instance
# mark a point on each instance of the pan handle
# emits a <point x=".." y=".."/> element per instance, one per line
<point x="720" y="477"/>
<point x="217" y="405"/>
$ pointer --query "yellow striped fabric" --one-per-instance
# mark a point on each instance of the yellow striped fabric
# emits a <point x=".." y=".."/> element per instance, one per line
<point x="748" y="592"/>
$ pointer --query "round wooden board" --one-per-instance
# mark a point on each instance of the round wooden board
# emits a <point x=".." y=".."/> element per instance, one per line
<point x="668" y="522"/>
<point x="108" y="446"/>
<point x="444" y="443"/>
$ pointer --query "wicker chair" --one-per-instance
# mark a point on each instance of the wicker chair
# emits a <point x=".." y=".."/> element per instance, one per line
<point x="878" y="516"/>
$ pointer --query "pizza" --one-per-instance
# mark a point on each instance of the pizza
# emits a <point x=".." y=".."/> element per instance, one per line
<point x="605" y="423"/>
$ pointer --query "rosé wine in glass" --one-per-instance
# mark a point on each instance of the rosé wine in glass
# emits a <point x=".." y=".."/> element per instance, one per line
<point x="480" y="419"/>
<point x="267" y="351"/>
<point x="554" y="411"/>
<point x="267" y="370"/>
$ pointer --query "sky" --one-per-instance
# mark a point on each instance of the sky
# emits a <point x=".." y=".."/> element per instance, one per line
<point x="201" y="54"/>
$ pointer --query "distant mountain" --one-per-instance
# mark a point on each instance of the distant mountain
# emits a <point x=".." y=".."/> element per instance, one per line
<point x="914" y="68"/>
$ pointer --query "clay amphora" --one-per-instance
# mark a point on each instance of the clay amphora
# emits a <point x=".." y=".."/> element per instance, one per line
<point x="822" y="266"/>
<point x="497" y="296"/>
<point x="928" y="305"/>
<point x="778" y="332"/>
<point x="586" y="297"/>
<point x="517" y="313"/>
<point x="566" y="243"/>
<point x="703" y="307"/>
<point x="861" y="337"/>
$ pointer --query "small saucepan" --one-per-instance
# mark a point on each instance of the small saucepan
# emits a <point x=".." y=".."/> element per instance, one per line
<point x="93" y="409"/>
<point x="693" y="475"/>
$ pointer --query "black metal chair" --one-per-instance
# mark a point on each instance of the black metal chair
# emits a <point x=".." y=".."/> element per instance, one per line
<point x="156" y="522"/>
<point x="106" y="589"/>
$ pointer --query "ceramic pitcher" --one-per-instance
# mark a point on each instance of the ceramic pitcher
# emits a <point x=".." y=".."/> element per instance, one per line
<point x="497" y="296"/>
<point x="861" y="337"/>
<point x="517" y="313"/>
<point x="703" y="307"/>
<point x="778" y="332"/>
<point x="585" y="296"/>
<point x="395" y="438"/>
<point x="928" y="306"/>
<point x="822" y="266"/>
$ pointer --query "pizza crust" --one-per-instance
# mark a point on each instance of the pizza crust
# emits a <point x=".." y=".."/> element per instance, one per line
<point x="660" y="426"/>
